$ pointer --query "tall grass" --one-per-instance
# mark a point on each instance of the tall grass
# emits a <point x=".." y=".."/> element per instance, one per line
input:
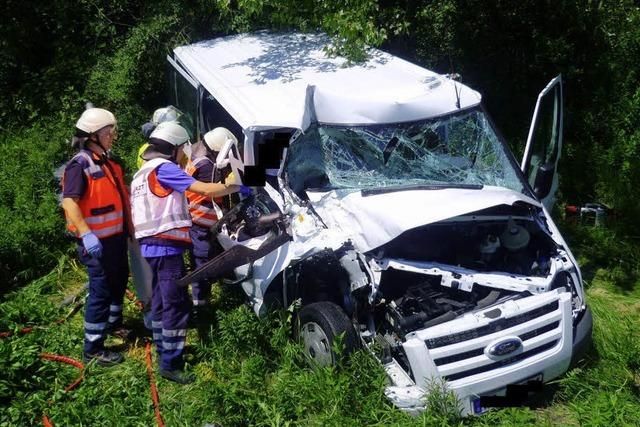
<point x="250" y="372"/>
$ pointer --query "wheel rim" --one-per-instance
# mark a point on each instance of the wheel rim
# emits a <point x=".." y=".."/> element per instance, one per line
<point x="316" y="344"/>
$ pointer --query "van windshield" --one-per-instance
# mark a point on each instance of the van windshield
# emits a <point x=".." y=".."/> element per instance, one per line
<point x="455" y="150"/>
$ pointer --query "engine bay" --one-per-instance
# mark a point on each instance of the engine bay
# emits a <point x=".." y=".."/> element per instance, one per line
<point x="516" y="246"/>
<point x="415" y="301"/>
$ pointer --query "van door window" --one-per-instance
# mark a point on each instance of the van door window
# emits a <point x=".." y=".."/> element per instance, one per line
<point x="214" y="115"/>
<point x="544" y="143"/>
<point x="185" y="97"/>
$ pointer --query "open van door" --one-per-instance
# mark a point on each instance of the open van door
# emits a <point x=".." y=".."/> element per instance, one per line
<point x="544" y="143"/>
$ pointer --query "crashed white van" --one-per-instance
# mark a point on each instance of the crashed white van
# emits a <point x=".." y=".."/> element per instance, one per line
<point x="390" y="206"/>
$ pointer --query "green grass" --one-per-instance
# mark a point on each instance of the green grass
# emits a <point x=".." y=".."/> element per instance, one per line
<point x="251" y="373"/>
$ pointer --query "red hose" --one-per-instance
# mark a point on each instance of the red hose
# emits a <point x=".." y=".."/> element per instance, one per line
<point x="131" y="296"/>
<point x="154" y="389"/>
<point x="26" y="330"/>
<point x="8" y="334"/>
<point x="69" y="361"/>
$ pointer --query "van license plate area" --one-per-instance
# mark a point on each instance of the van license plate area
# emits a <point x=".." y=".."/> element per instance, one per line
<point x="512" y="395"/>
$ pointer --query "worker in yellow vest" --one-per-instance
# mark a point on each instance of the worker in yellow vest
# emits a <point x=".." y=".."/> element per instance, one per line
<point x="161" y="115"/>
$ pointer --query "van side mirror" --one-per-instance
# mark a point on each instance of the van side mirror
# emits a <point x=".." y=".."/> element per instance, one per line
<point x="544" y="180"/>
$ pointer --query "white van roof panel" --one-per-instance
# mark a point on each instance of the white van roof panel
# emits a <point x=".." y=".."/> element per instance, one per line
<point x="267" y="80"/>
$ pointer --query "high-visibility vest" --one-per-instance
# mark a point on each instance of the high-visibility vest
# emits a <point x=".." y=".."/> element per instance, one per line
<point x="203" y="210"/>
<point x="141" y="150"/>
<point x="156" y="211"/>
<point x="101" y="204"/>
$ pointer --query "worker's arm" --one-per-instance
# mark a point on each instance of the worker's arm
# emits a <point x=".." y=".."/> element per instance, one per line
<point x="72" y="209"/>
<point x="213" y="189"/>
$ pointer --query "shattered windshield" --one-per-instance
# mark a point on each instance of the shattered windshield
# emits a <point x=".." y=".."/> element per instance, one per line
<point x="459" y="149"/>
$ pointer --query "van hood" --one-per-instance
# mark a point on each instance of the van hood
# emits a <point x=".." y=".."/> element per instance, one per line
<point x="373" y="220"/>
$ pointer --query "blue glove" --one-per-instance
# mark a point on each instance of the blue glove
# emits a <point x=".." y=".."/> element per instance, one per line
<point x="245" y="191"/>
<point x="92" y="244"/>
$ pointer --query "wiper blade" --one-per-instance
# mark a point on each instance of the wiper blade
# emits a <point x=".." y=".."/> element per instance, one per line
<point x="328" y="188"/>
<point x="407" y="187"/>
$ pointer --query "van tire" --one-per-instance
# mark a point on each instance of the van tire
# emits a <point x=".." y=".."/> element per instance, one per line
<point x="316" y="328"/>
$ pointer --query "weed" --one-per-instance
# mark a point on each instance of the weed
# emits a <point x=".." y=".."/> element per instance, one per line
<point x="250" y="371"/>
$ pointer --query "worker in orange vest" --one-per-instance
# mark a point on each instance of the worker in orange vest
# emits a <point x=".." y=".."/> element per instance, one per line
<point x="95" y="202"/>
<point x="204" y="210"/>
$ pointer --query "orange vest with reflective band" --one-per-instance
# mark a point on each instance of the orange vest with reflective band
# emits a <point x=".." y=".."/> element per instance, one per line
<point x="101" y="203"/>
<point x="201" y="207"/>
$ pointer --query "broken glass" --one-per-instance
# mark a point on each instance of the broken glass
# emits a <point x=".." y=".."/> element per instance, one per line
<point x="457" y="149"/>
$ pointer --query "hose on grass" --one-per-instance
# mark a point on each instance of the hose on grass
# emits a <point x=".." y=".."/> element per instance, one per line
<point x="132" y="297"/>
<point x="69" y="361"/>
<point x="154" y="389"/>
<point x="152" y="384"/>
<point x="23" y="331"/>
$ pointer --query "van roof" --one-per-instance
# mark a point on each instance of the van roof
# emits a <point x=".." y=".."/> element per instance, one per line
<point x="273" y="80"/>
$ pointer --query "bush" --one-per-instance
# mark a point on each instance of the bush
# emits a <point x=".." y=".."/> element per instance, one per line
<point x="32" y="239"/>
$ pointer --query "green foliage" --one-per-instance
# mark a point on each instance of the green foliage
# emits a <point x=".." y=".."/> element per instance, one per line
<point x="56" y="55"/>
<point x="32" y="238"/>
<point x="250" y="372"/>
<point x="607" y="254"/>
<point x="114" y="55"/>
<point x="509" y="51"/>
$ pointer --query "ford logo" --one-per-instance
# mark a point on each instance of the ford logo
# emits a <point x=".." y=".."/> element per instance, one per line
<point x="504" y="346"/>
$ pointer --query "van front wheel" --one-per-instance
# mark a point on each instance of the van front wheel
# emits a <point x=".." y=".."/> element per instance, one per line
<point x="318" y="326"/>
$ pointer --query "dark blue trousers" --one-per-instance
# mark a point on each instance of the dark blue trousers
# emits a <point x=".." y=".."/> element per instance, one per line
<point x="170" y="307"/>
<point x="108" y="277"/>
<point x="201" y="253"/>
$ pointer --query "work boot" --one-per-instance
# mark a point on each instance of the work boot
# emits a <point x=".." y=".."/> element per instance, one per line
<point x="104" y="357"/>
<point x="177" y="376"/>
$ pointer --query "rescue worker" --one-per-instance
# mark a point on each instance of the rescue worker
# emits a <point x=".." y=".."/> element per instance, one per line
<point x="204" y="211"/>
<point x="161" y="115"/>
<point x="95" y="202"/>
<point x="162" y="221"/>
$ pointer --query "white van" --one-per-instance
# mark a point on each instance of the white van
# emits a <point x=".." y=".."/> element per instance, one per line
<point x="390" y="207"/>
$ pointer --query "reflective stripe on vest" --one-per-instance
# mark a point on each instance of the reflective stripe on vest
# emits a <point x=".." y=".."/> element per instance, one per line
<point x="101" y="204"/>
<point x="179" y="234"/>
<point x="202" y="208"/>
<point x="163" y="215"/>
<point x="201" y="215"/>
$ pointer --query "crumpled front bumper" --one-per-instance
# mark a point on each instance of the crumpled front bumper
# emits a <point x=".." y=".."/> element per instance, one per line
<point x="552" y="346"/>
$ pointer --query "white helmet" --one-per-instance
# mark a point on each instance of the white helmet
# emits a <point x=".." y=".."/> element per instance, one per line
<point x="165" y="114"/>
<point x="170" y="132"/>
<point x="216" y="138"/>
<point x="94" y="119"/>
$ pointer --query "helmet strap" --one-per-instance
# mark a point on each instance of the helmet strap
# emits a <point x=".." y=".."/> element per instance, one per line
<point x="174" y="154"/>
